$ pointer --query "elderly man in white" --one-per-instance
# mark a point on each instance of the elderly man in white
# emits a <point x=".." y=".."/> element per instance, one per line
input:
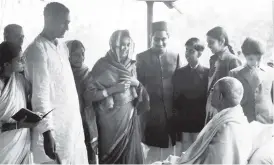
<point x="226" y="139"/>
<point x="53" y="87"/>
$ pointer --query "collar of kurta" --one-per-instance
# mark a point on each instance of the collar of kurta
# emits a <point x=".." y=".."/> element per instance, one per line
<point x="55" y="41"/>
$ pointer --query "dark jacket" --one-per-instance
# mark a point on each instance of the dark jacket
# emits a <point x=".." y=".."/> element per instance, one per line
<point x="223" y="62"/>
<point x="190" y="96"/>
<point x="257" y="101"/>
<point x="155" y="73"/>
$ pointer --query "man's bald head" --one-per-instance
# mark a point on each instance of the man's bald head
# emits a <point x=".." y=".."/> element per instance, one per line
<point x="227" y="92"/>
<point x="14" y="33"/>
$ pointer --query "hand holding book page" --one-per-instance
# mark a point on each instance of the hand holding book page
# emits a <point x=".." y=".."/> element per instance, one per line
<point x="29" y="116"/>
<point x="23" y="124"/>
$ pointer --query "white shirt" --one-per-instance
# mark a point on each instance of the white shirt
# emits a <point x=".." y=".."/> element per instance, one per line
<point x="53" y="85"/>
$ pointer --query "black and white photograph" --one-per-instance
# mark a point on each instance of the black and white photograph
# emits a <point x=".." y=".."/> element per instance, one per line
<point x="137" y="82"/>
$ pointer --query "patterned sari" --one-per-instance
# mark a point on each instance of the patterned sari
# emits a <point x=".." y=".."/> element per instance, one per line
<point x="118" y="124"/>
<point x="14" y="144"/>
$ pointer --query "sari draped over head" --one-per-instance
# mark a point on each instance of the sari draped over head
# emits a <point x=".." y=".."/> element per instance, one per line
<point x="119" y="139"/>
<point x="14" y="144"/>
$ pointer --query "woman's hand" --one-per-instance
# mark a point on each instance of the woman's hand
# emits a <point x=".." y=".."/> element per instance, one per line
<point x="119" y="88"/>
<point x="133" y="81"/>
<point x="122" y="86"/>
<point x="23" y="124"/>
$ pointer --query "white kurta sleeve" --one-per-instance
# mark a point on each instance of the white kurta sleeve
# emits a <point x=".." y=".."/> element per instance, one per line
<point x="37" y="73"/>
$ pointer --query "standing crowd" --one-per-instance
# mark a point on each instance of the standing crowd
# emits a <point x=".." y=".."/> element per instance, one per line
<point x="143" y="111"/>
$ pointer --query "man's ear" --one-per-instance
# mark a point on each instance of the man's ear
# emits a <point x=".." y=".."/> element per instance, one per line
<point x="199" y="54"/>
<point x="221" y="96"/>
<point x="167" y="34"/>
<point x="5" y="37"/>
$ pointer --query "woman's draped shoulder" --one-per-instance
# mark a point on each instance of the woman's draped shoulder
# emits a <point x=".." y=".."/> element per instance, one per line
<point x="99" y="68"/>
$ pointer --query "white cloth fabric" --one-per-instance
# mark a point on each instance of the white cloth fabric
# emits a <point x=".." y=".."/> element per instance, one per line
<point x="224" y="140"/>
<point x="14" y="144"/>
<point x="187" y="140"/>
<point x="53" y="86"/>
<point x="263" y="143"/>
<point x="154" y="154"/>
<point x="264" y="154"/>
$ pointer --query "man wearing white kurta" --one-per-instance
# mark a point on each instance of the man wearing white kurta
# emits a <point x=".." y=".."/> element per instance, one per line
<point x="49" y="71"/>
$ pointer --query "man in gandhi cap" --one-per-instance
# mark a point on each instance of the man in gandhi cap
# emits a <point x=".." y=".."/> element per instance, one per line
<point x="226" y="139"/>
<point x="155" y="68"/>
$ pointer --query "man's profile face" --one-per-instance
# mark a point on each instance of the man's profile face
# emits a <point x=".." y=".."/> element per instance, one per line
<point x="16" y="36"/>
<point x="60" y="24"/>
<point x="159" y="40"/>
<point x="216" y="97"/>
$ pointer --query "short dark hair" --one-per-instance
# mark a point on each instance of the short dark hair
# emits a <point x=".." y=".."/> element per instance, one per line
<point x="196" y="43"/>
<point x="252" y="46"/>
<point x="75" y="44"/>
<point x="231" y="89"/>
<point x="54" y="9"/>
<point x="8" y="51"/>
<point x="9" y="28"/>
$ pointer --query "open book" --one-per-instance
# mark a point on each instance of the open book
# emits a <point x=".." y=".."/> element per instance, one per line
<point x="30" y="116"/>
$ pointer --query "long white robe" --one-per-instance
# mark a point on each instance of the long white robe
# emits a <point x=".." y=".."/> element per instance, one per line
<point x="53" y="85"/>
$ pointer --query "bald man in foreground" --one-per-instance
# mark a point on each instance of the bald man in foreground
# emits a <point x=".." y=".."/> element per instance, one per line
<point x="226" y="138"/>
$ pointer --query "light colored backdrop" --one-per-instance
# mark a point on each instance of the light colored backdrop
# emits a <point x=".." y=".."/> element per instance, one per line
<point x="93" y="21"/>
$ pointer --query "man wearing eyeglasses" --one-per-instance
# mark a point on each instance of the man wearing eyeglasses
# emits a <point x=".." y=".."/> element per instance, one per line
<point x="155" y="68"/>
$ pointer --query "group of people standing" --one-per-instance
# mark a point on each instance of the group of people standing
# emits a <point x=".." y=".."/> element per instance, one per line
<point x="131" y="112"/>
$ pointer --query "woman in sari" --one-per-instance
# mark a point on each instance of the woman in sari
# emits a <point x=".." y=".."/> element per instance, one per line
<point x="80" y="73"/>
<point x="14" y="136"/>
<point x="118" y="99"/>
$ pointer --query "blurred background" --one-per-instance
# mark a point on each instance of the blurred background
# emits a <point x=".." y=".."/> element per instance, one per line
<point x="93" y="21"/>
